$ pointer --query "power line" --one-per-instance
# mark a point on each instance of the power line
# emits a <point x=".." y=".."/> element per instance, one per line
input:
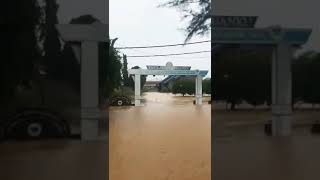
<point x="195" y="57"/>
<point x="159" y="46"/>
<point x="139" y="51"/>
<point x="176" y="54"/>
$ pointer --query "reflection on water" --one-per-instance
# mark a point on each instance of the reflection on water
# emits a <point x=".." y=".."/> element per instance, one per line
<point x="167" y="139"/>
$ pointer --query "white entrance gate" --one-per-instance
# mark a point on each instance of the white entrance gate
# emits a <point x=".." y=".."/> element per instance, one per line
<point x="239" y="30"/>
<point x="169" y="69"/>
<point x="84" y="40"/>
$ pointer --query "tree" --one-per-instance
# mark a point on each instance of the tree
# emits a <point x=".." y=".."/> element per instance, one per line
<point x="206" y="86"/>
<point x="299" y="76"/>
<point x="243" y="74"/>
<point x="225" y="77"/>
<point x="52" y="45"/>
<point x="314" y="78"/>
<point x="306" y="70"/>
<point x="184" y="86"/>
<point x="125" y="76"/>
<point x="199" y="17"/>
<point x="20" y="48"/>
<point x="110" y="70"/>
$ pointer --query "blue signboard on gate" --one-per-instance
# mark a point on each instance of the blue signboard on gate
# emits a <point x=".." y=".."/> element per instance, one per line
<point x="259" y="36"/>
<point x="297" y="36"/>
<point x="168" y="72"/>
<point x="234" y="35"/>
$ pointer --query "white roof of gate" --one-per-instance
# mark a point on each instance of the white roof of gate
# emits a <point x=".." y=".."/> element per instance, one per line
<point x="79" y="32"/>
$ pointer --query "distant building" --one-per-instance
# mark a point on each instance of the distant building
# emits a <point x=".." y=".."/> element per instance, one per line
<point x="168" y="82"/>
<point x="151" y="85"/>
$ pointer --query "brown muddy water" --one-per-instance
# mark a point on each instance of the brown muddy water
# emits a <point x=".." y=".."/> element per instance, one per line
<point x="168" y="138"/>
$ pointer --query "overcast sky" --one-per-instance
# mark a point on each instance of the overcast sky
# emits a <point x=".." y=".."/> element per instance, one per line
<point x="141" y="23"/>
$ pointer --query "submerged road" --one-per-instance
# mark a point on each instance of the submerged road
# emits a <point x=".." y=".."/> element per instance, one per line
<point x="167" y="139"/>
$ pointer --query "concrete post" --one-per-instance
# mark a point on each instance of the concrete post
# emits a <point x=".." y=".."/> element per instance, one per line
<point x="90" y="112"/>
<point x="85" y="40"/>
<point x="137" y="91"/>
<point x="198" y="89"/>
<point x="281" y="90"/>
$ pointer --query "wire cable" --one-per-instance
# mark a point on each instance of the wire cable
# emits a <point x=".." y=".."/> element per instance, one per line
<point x="175" y="54"/>
<point x="160" y="46"/>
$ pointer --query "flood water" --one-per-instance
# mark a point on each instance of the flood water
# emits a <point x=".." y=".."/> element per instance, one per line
<point x="169" y="138"/>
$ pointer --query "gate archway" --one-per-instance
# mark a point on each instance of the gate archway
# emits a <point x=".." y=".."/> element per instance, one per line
<point x="284" y="41"/>
<point x="169" y="69"/>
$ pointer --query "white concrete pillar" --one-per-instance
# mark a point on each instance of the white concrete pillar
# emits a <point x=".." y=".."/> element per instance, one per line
<point x="281" y="90"/>
<point x="198" y="92"/>
<point x="137" y="89"/>
<point x="90" y="112"/>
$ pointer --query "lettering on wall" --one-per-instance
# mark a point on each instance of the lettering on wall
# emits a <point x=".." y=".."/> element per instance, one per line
<point x="234" y="21"/>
